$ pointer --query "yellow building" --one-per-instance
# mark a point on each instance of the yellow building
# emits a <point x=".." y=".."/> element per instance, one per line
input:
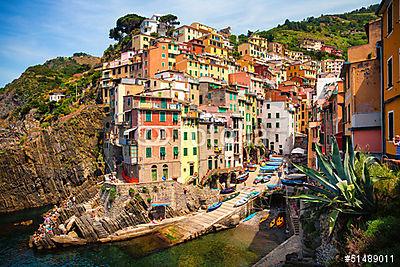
<point x="252" y="50"/>
<point x="201" y="67"/>
<point x="390" y="31"/>
<point x="141" y="42"/>
<point x="214" y="45"/>
<point x="189" y="143"/>
<point x="246" y="63"/>
<point x="259" y="41"/>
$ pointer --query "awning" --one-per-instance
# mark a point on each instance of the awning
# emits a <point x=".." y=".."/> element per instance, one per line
<point x="298" y="150"/>
<point x="129" y="130"/>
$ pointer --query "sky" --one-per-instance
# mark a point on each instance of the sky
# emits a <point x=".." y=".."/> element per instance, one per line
<point x="32" y="31"/>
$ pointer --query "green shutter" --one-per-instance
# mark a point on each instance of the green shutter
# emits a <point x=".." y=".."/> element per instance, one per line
<point x="175" y="117"/>
<point x="185" y="151"/>
<point x="148" y="116"/>
<point x="162" y="151"/>
<point x="162" y="117"/>
<point x="195" y="151"/>
<point x="148" y="152"/>
<point x="193" y="136"/>
<point x="176" y="151"/>
<point x="185" y="135"/>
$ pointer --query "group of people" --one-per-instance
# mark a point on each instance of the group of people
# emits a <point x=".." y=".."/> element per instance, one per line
<point x="50" y="223"/>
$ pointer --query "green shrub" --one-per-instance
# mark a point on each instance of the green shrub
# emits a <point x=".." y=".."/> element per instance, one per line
<point x="112" y="194"/>
<point x="131" y="192"/>
<point x="145" y="190"/>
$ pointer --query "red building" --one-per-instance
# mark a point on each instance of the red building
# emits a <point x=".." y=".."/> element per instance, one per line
<point x="152" y="139"/>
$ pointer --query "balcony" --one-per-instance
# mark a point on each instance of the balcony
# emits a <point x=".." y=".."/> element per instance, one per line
<point x="156" y="105"/>
<point x="217" y="150"/>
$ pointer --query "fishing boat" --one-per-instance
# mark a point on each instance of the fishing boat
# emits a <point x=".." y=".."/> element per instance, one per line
<point x="252" y="194"/>
<point x="276" y="158"/>
<point x="273" y="163"/>
<point x="214" y="206"/>
<point x="242" y="177"/>
<point x="241" y="202"/>
<point x="231" y="196"/>
<point x="228" y="190"/>
<point x="268" y="168"/>
<point x="272" y="223"/>
<point x="279" y="222"/>
<point x="292" y="182"/>
<point x="251" y="167"/>
<point x="249" y="217"/>
<point x="264" y="218"/>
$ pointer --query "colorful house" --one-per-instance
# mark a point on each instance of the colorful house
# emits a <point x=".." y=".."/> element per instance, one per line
<point x="390" y="64"/>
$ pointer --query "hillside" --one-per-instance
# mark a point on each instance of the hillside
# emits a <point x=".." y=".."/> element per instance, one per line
<point x="340" y="30"/>
<point x="45" y="154"/>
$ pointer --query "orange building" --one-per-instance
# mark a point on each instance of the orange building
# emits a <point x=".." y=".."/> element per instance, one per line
<point x="390" y="62"/>
<point x="362" y="111"/>
<point x="159" y="57"/>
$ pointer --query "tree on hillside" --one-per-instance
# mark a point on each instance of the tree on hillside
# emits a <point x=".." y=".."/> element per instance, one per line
<point x="170" y="21"/>
<point x="125" y="25"/>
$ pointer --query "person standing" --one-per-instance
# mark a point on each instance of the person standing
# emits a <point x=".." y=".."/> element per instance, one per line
<point x="396" y="143"/>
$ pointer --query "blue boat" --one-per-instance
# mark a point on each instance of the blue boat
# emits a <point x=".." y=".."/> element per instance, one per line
<point x="279" y="159"/>
<point x="249" y="217"/>
<point x="228" y="190"/>
<point x="214" y="206"/>
<point x="269" y="168"/>
<point x="273" y="163"/>
<point x="291" y="182"/>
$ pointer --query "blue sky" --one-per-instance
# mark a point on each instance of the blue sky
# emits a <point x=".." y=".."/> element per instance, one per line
<point x="32" y="31"/>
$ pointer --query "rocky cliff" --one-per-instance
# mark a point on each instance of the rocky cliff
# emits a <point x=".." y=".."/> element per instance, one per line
<point x="49" y="149"/>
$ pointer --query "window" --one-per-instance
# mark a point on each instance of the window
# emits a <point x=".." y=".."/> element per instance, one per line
<point x="148" y="152"/>
<point x="277" y="125"/>
<point x="191" y="169"/>
<point x="162" y="152"/>
<point x="269" y="115"/>
<point x="154" y="173"/>
<point x="185" y="136"/>
<point x="176" y="152"/>
<point x="269" y="125"/>
<point x="390" y="125"/>
<point x="175" y="118"/>
<point x="268" y="106"/>
<point x="390" y="72"/>
<point x="277" y="115"/>
<point x="162" y="116"/>
<point x="162" y="134"/>
<point x="215" y="129"/>
<point x="148" y="116"/>
<point x="185" y="151"/>
<point x="210" y="163"/>
<point x="276" y="137"/>
<point x="148" y="134"/>
<point x="194" y="151"/>
<point x="163" y="55"/>
<point x="175" y="135"/>
<point x="165" y="171"/>
<point x="389" y="19"/>
<point x="215" y="142"/>
<point x="193" y="136"/>
<point x="208" y="143"/>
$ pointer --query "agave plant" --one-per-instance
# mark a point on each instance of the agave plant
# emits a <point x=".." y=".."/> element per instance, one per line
<point x="340" y="188"/>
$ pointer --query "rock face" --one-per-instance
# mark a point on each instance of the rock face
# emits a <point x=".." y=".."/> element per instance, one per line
<point x="95" y="219"/>
<point x="40" y="166"/>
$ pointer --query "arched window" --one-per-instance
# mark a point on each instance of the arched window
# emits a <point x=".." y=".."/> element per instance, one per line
<point x="165" y="171"/>
<point x="154" y="173"/>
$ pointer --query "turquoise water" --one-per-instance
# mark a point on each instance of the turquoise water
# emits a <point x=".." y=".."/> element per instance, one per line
<point x="241" y="246"/>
